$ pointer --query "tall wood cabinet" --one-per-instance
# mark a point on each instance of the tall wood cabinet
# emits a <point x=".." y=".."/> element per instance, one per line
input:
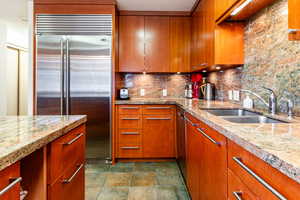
<point x="154" y="44"/>
<point x="215" y="44"/>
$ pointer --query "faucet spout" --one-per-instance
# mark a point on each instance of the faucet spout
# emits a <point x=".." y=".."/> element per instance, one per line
<point x="259" y="97"/>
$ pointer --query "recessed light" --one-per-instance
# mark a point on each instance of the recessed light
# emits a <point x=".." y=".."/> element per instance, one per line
<point x="218" y="67"/>
<point x="178" y="73"/>
<point x="204" y="71"/>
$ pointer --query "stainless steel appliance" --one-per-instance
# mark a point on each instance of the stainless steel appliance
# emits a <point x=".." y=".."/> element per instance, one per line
<point x="208" y="91"/>
<point x="73" y="74"/>
<point x="124" y="94"/>
<point x="181" y="140"/>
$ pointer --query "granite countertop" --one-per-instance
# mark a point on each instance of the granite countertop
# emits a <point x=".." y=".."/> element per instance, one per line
<point x="22" y="135"/>
<point x="276" y="144"/>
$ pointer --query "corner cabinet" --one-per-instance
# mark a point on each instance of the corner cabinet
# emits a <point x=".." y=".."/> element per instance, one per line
<point x="154" y="44"/>
<point x="210" y="42"/>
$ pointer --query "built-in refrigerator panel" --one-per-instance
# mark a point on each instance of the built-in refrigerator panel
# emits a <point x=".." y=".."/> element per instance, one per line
<point x="49" y="75"/>
<point x="90" y="89"/>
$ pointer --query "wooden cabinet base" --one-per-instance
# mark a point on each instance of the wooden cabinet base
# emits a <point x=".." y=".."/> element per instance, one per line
<point x="9" y="184"/>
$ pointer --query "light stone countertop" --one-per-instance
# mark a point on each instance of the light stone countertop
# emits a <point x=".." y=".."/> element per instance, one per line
<point x="22" y="135"/>
<point x="276" y="144"/>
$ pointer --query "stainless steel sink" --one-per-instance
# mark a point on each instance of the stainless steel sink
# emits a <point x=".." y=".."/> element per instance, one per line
<point x="231" y="112"/>
<point x="253" y="120"/>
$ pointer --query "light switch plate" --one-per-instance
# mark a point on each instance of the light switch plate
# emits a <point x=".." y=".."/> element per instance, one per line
<point x="165" y="92"/>
<point x="230" y="95"/>
<point x="236" y="95"/>
<point x="142" y="92"/>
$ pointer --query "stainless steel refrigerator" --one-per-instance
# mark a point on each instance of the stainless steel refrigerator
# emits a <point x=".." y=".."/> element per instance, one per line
<point x="73" y="73"/>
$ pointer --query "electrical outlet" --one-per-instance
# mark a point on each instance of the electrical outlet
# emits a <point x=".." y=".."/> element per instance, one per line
<point x="230" y="95"/>
<point x="236" y="95"/>
<point x="165" y="92"/>
<point x="142" y="92"/>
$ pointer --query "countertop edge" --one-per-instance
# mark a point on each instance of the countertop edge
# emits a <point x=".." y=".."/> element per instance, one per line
<point x="269" y="158"/>
<point x="22" y="152"/>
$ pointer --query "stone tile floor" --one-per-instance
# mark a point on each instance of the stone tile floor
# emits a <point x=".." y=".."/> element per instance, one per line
<point x="134" y="181"/>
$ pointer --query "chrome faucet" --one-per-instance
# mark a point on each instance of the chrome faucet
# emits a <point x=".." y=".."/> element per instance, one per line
<point x="290" y="107"/>
<point x="272" y="101"/>
<point x="272" y="105"/>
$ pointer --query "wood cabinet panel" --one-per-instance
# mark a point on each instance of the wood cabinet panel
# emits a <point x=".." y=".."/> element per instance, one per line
<point x="280" y="182"/>
<point x="70" y="185"/>
<point x="130" y="151"/>
<point x="237" y="187"/>
<point x="294" y="22"/>
<point x="130" y="136"/>
<point x="157" y="51"/>
<point x="129" y="121"/>
<point x="158" y="136"/>
<point x="8" y="175"/>
<point x="180" y="42"/>
<point x="129" y="110"/>
<point x="131" y="43"/>
<point x="158" y="109"/>
<point x="65" y="152"/>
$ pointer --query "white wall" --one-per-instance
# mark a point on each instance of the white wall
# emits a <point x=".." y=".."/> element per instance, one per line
<point x="30" y="60"/>
<point x="3" y="36"/>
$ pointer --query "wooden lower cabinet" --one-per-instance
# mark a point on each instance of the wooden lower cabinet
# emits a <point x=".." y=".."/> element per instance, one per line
<point x="158" y="136"/>
<point x="10" y="178"/>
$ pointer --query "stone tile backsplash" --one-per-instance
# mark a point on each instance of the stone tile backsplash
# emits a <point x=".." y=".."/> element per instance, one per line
<point x="271" y="60"/>
<point x="154" y="84"/>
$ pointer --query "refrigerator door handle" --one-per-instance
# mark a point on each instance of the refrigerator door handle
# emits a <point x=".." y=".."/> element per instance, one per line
<point x="62" y="76"/>
<point x="67" y="77"/>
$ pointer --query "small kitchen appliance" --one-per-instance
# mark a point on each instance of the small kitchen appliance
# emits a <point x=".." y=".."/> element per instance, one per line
<point x="124" y="94"/>
<point x="208" y="91"/>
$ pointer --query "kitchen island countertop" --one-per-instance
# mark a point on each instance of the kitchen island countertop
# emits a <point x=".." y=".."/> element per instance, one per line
<point x="276" y="144"/>
<point x="22" y="135"/>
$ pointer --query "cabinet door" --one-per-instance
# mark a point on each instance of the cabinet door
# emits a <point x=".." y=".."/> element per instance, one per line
<point x="10" y="178"/>
<point x="222" y="6"/>
<point x="157" y="31"/>
<point x="158" y="136"/>
<point x="194" y="161"/>
<point x="180" y="40"/>
<point x="196" y="56"/>
<point x="213" y="182"/>
<point x="131" y="44"/>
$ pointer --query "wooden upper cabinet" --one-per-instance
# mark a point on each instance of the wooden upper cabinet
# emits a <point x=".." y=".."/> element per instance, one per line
<point x="131" y="43"/>
<point x="222" y="6"/>
<point x="294" y="22"/>
<point x="157" y="32"/>
<point x="180" y="42"/>
<point x="215" y="44"/>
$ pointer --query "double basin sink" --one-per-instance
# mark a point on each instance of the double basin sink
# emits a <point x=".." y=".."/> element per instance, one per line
<point x="243" y="116"/>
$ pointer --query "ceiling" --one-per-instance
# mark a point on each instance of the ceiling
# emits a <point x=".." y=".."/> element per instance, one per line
<point x="156" y="5"/>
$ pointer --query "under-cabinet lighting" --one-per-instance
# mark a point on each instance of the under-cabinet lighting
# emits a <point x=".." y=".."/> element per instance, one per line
<point x="204" y="71"/>
<point x="218" y="68"/>
<point x="144" y="73"/>
<point x="178" y="73"/>
<point x="241" y="7"/>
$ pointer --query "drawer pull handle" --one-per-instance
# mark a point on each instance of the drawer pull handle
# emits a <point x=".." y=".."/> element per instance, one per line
<point x="208" y="137"/>
<point x="189" y="121"/>
<point x="157" y="108"/>
<point x="158" y="118"/>
<point x="11" y="185"/>
<point x="69" y="180"/>
<point x="259" y="179"/>
<point x="130" y="108"/>
<point x="130" y="118"/>
<point x="237" y="195"/>
<point x="74" y="140"/>
<point x="130" y="148"/>
<point x="130" y="133"/>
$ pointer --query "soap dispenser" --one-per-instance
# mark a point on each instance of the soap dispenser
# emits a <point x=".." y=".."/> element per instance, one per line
<point x="248" y="102"/>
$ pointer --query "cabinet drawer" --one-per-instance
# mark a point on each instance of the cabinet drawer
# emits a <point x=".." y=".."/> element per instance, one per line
<point x="130" y="151"/>
<point x="10" y="182"/>
<point x="70" y="185"/>
<point x="237" y="189"/>
<point x="130" y="121"/>
<point x="129" y="110"/>
<point x="250" y="168"/>
<point x="65" y="152"/>
<point x="158" y="109"/>
<point x="130" y="136"/>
